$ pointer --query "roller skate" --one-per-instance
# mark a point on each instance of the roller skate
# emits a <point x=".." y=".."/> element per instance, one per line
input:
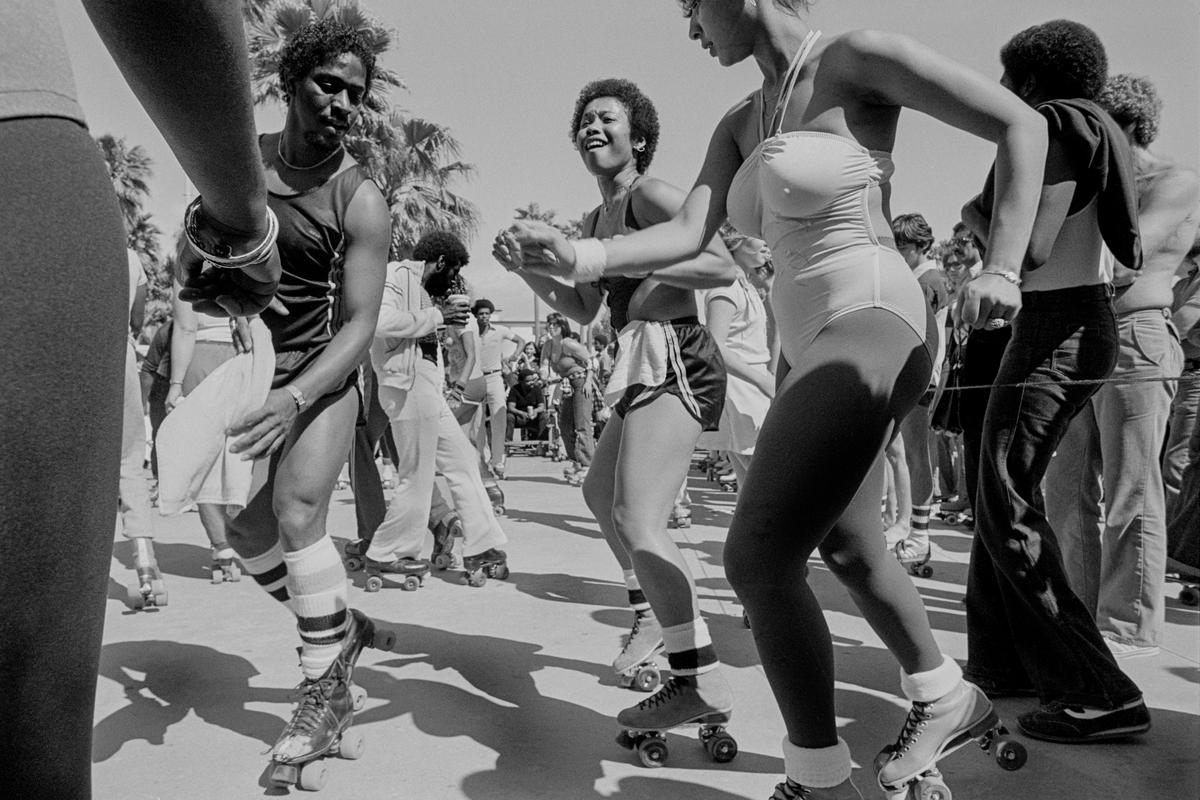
<point x="932" y="731"/>
<point x="498" y="472"/>
<point x="320" y="724"/>
<point x="956" y="512"/>
<point x="355" y="554"/>
<point x="913" y="557"/>
<point x="445" y="532"/>
<point x="578" y="477"/>
<point x="678" y="703"/>
<point x="791" y="790"/>
<point x="727" y="479"/>
<point x="411" y="572"/>
<point x="681" y="517"/>
<point x="496" y="497"/>
<point x="491" y="563"/>
<point x="635" y="664"/>
<point x="149" y="591"/>
<point x="224" y="566"/>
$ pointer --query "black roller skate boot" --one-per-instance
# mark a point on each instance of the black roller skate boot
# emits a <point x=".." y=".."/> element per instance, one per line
<point x="411" y="572"/>
<point x="496" y="496"/>
<point x="355" y="554"/>
<point x="491" y="563"/>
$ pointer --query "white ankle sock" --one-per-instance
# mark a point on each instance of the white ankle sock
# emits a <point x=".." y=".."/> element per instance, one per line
<point x="925" y="687"/>
<point x="817" y="767"/>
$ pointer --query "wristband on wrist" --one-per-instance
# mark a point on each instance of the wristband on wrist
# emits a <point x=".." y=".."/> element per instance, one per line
<point x="1007" y="274"/>
<point x="590" y="260"/>
<point x="298" y="396"/>
<point x="177" y="383"/>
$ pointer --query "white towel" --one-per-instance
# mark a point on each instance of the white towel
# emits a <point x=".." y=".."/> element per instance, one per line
<point x="641" y="358"/>
<point x="194" y="462"/>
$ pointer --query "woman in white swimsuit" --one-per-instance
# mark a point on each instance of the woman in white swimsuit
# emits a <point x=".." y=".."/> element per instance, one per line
<point x="804" y="163"/>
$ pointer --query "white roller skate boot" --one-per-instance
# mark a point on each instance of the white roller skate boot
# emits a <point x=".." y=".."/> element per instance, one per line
<point x="820" y="773"/>
<point x="635" y="663"/>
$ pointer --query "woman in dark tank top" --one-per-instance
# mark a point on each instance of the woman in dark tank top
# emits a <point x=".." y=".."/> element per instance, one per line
<point x="645" y="449"/>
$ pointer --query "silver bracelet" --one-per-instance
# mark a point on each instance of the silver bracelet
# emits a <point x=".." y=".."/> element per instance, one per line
<point x="224" y="258"/>
<point x="297" y="395"/>
<point x="1007" y="274"/>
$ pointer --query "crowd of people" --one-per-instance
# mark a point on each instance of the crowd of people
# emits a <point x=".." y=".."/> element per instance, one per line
<point x="1039" y="373"/>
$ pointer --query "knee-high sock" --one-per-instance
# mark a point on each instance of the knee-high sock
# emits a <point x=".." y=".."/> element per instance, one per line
<point x="270" y="572"/>
<point x="316" y="580"/>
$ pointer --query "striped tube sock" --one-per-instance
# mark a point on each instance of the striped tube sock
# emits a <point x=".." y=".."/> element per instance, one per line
<point x="919" y="532"/>
<point x="269" y="571"/>
<point x="689" y="648"/>
<point x="316" y="579"/>
<point x="637" y="598"/>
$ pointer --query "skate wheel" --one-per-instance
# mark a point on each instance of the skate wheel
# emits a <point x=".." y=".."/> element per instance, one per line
<point x="374" y="583"/>
<point x="234" y="574"/>
<point x="352" y="746"/>
<point x="412" y="583"/>
<point x="358" y="697"/>
<point x="135" y="597"/>
<point x="931" y="789"/>
<point x="1010" y="755"/>
<point x="499" y="572"/>
<point x="652" y="752"/>
<point x="647" y="679"/>
<point x="313" y="776"/>
<point x="498" y="511"/>
<point x="443" y="561"/>
<point x="475" y="579"/>
<point x="626" y="741"/>
<point x="926" y="571"/>
<point x="354" y="563"/>
<point x="218" y="575"/>
<point x="158" y="593"/>
<point x="1189" y="596"/>
<point x="721" y="747"/>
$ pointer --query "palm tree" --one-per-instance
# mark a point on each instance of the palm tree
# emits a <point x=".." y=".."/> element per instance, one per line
<point x="129" y="168"/>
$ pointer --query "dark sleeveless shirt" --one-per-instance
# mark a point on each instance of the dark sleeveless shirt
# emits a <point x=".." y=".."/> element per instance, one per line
<point x="312" y="248"/>
<point x="618" y="289"/>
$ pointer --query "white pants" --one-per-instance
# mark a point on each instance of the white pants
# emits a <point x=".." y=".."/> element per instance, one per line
<point x="135" y="518"/>
<point x="490" y="393"/>
<point x="429" y="441"/>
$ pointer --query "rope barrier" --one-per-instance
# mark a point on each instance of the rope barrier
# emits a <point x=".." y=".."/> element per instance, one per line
<point x="1193" y="378"/>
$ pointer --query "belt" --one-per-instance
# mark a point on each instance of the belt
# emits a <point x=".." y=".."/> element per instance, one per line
<point x="490" y="371"/>
<point x="1165" y="312"/>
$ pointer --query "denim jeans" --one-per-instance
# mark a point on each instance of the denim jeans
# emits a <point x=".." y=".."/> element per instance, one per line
<point x="1183" y="523"/>
<point x="575" y="420"/>
<point x="1024" y="624"/>
<point x="1184" y="412"/>
<point x="1104" y="489"/>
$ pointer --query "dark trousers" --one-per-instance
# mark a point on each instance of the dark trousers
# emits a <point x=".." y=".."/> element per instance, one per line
<point x="369" y="504"/>
<point x="64" y="323"/>
<point x="1024" y="624"/>
<point x="982" y="354"/>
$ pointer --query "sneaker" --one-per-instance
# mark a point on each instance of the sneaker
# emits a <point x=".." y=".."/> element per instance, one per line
<point x="1126" y="650"/>
<point x="1060" y="722"/>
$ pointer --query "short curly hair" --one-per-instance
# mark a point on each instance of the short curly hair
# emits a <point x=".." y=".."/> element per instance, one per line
<point x="643" y="118"/>
<point x="441" y="244"/>
<point x="320" y="42"/>
<point x="1133" y="100"/>
<point x="1064" y="57"/>
<point x="912" y="229"/>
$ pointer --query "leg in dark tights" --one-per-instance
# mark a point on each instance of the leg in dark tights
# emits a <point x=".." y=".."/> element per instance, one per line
<point x="63" y="319"/>
<point x="815" y="482"/>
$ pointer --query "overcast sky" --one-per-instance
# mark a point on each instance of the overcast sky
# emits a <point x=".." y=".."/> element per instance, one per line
<point x="504" y="74"/>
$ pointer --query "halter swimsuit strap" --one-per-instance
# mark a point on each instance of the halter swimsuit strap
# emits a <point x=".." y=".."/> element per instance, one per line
<point x="790" y="77"/>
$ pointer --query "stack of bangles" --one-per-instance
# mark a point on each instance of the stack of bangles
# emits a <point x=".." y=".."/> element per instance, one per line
<point x="224" y="258"/>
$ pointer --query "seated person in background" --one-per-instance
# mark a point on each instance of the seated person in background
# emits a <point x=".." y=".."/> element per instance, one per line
<point x="527" y="406"/>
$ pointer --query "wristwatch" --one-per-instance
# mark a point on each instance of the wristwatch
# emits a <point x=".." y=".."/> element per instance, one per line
<point x="298" y="396"/>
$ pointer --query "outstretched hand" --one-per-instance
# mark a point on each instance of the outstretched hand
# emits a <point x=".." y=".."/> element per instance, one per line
<point x="536" y="247"/>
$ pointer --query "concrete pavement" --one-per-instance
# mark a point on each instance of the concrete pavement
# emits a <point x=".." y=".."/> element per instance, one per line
<point x="504" y="692"/>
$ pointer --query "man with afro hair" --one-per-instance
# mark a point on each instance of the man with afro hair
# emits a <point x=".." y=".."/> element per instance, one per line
<point x="1115" y="548"/>
<point x="1027" y="630"/>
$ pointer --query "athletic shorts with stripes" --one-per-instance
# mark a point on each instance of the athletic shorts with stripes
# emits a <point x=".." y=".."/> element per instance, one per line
<point x="695" y="374"/>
